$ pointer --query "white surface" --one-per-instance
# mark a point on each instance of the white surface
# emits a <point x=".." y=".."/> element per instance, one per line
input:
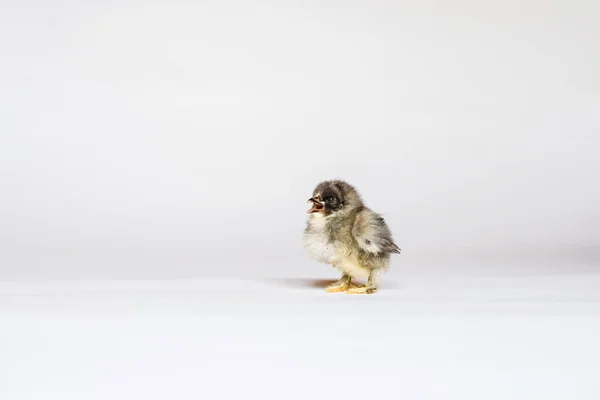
<point x="472" y="336"/>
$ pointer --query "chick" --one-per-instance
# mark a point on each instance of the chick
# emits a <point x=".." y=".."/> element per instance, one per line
<point x="343" y="232"/>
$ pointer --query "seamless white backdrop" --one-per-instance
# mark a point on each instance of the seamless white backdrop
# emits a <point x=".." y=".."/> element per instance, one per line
<point x="188" y="130"/>
<point x="155" y="162"/>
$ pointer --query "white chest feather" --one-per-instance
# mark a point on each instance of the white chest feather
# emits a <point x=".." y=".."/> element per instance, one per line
<point x="316" y="241"/>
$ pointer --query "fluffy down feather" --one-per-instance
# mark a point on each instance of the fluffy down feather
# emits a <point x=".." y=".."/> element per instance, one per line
<point x="372" y="233"/>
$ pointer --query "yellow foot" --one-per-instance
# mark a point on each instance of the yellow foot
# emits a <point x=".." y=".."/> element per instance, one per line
<point x="361" y="290"/>
<point x="340" y="287"/>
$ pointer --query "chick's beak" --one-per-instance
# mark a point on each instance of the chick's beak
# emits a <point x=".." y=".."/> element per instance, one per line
<point x="317" y="206"/>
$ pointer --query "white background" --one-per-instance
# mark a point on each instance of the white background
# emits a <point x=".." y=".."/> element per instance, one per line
<point x="155" y="161"/>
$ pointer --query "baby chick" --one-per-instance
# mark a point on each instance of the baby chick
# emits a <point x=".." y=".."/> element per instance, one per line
<point x="343" y="232"/>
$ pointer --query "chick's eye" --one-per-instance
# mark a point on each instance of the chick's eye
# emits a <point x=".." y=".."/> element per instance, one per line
<point x="329" y="199"/>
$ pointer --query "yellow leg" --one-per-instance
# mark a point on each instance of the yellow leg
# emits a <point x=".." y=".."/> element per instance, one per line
<point x="369" y="288"/>
<point x="342" y="285"/>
